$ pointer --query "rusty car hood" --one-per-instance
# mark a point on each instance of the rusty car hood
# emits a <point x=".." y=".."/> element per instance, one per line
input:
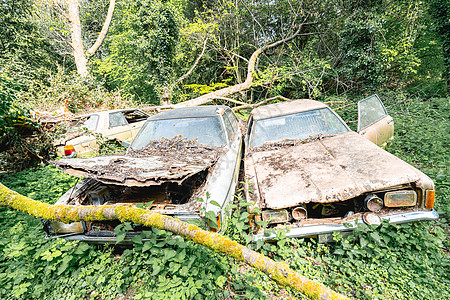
<point x="327" y="170"/>
<point x="166" y="161"/>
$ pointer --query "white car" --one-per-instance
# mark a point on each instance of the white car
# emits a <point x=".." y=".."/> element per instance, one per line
<point x="120" y="124"/>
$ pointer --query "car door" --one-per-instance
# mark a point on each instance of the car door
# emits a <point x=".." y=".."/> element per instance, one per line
<point x="118" y="127"/>
<point x="374" y="123"/>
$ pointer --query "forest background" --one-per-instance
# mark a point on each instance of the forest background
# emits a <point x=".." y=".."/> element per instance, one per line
<point x="158" y="52"/>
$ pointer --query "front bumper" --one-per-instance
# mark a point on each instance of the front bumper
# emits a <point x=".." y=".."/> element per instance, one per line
<point x="315" y="230"/>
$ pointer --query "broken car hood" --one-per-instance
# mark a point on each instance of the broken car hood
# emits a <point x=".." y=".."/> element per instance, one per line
<point x="328" y="170"/>
<point x="166" y="161"/>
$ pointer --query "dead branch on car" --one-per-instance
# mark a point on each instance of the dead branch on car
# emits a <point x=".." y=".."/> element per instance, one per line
<point x="278" y="271"/>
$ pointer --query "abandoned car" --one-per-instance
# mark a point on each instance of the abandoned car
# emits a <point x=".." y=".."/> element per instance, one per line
<point x="122" y="124"/>
<point x="183" y="162"/>
<point x="310" y="175"/>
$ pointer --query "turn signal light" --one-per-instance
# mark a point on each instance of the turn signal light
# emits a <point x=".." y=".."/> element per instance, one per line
<point x="214" y="228"/>
<point x="430" y="199"/>
<point x="69" y="150"/>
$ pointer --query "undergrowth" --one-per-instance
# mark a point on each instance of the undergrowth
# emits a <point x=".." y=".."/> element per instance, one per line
<point x="409" y="261"/>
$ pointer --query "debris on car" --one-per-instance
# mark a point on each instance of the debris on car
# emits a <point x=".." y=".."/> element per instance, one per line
<point x="172" y="159"/>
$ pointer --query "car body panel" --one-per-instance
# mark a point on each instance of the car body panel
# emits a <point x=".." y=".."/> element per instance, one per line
<point x="134" y="171"/>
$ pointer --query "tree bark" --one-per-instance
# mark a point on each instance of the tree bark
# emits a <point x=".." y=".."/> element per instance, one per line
<point x="280" y="272"/>
<point x="238" y="87"/>
<point x="77" y="41"/>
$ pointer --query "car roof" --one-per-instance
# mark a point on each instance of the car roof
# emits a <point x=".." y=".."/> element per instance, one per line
<point x="190" y="112"/>
<point x="286" y="108"/>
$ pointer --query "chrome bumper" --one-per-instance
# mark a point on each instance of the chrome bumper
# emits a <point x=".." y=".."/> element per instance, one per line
<point x="309" y="231"/>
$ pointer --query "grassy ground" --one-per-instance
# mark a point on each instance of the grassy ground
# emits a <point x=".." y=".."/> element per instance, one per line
<point x="390" y="262"/>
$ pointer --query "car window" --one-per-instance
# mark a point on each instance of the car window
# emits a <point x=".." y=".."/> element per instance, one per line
<point x="296" y="126"/>
<point x="134" y="116"/>
<point x="207" y="130"/>
<point x="228" y="127"/>
<point x="116" y="119"/>
<point x="370" y="110"/>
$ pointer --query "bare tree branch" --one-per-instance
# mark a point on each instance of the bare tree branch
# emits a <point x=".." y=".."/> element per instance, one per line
<point x="193" y="66"/>
<point x="104" y="30"/>
<point x="248" y="81"/>
<point x="251" y="106"/>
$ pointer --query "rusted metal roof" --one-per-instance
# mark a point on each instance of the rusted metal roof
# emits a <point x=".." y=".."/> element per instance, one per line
<point x="328" y="170"/>
<point x="284" y="108"/>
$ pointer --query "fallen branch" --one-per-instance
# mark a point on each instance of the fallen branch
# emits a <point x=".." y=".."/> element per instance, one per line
<point x="255" y="105"/>
<point x="280" y="272"/>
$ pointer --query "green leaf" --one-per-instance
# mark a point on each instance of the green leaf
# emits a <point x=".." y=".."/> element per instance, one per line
<point x="220" y="281"/>
<point x="147" y="246"/>
<point x="156" y="269"/>
<point x="215" y="203"/>
<point x="120" y="237"/>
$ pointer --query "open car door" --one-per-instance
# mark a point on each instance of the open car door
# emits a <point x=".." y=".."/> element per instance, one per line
<point x="373" y="121"/>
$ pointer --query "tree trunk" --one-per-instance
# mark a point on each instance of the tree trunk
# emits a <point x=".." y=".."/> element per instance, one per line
<point x="77" y="41"/>
<point x="280" y="272"/>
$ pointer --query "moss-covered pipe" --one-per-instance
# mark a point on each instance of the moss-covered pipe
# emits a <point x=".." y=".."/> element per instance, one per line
<point x="278" y="271"/>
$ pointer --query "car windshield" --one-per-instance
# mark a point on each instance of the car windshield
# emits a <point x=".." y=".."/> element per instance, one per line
<point x="207" y="130"/>
<point x="296" y="126"/>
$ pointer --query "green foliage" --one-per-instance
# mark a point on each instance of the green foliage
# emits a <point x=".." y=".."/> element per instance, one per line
<point x="81" y="94"/>
<point x="440" y="13"/>
<point x="21" y="142"/>
<point x="25" y="53"/>
<point x="11" y="114"/>
<point x="141" y="45"/>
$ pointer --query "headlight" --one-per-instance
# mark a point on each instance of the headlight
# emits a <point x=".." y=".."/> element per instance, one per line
<point x="373" y="203"/>
<point x="400" y="199"/>
<point x="61" y="228"/>
<point x="275" y="216"/>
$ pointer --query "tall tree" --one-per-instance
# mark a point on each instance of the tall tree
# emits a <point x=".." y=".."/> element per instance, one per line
<point x="69" y="10"/>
